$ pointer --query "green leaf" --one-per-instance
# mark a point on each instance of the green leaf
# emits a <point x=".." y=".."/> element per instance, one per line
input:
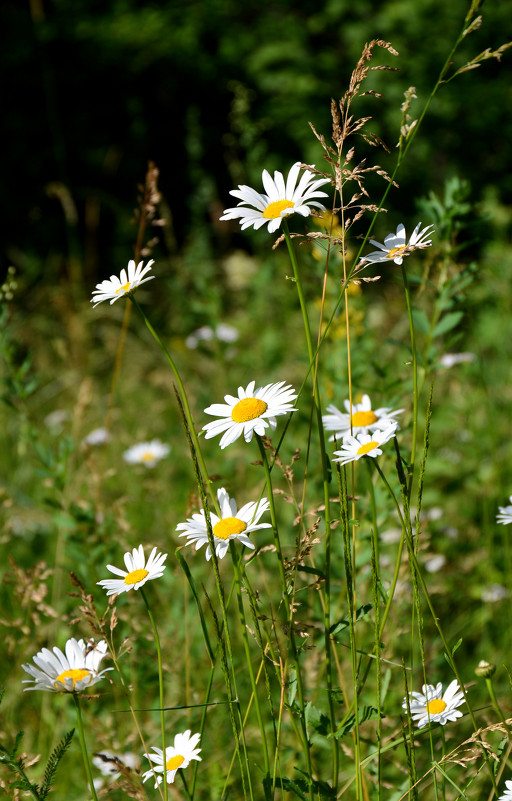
<point x="420" y="321"/>
<point x="366" y="713"/>
<point x="316" y="720"/>
<point x="345" y="622"/>
<point x="448" y="322"/>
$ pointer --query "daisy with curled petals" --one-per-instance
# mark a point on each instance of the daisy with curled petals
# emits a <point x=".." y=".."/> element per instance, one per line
<point x="252" y="412"/>
<point x="507" y="795"/>
<point x="137" y="572"/>
<point x="395" y="246"/>
<point x="231" y="525"/>
<point x="362" y="420"/>
<point x="505" y="515"/>
<point x="177" y="756"/>
<point x="354" y="448"/>
<point x="146" y="453"/>
<point x="434" y="706"/>
<point x="71" y="672"/>
<point x="116" y="288"/>
<point x="281" y="199"/>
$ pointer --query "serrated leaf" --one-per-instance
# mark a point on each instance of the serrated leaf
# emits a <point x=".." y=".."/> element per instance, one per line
<point x="316" y="720"/>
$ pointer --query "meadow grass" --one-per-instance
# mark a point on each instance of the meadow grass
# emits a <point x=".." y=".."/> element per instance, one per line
<point x="293" y="656"/>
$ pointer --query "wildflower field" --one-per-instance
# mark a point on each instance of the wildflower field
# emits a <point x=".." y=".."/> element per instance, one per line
<point x="256" y="468"/>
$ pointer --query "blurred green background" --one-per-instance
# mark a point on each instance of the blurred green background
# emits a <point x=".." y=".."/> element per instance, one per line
<point x="213" y="92"/>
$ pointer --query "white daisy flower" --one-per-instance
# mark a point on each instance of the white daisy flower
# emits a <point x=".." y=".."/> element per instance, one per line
<point x="137" y="572"/>
<point x="146" y="453"/>
<point x="281" y="199"/>
<point x="434" y="706"/>
<point x="505" y="515"/>
<point x="231" y="525"/>
<point x="116" y="288"/>
<point x="395" y="246"/>
<point x="177" y="756"/>
<point x="354" y="448"/>
<point x="363" y="418"/>
<point x="252" y="412"/>
<point x="71" y="672"/>
<point x="507" y="795"/>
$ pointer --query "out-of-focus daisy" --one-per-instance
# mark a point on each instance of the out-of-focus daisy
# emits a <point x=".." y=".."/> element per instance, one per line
<point x="281" y="199"/>
<point x="146" y="453"/>
<point x="363" y="418"/>
<point x="252" y="412"/>
<point x="177" y="756"/>
<point x="116" y="288"/>
<point x="231" y="525"/>
<point x="109" y="763"/>
<point x="137" y="572"/>
<point x="98" y="436"/>
<point x="395" y="246"/>
<point x="435" y="563"/>
<point x="354" y="448"/>
<point x="434" y="706"/>
<point x="505" y="514"/>
<point x="223" y="332"/>
<point x="451" y="359"/>
<point x="71" y="672"/>
<point x="494" y="593"/>
<point x="507" y="795"/>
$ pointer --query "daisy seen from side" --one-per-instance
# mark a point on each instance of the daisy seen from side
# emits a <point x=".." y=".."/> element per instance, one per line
<point x="250" y="413"/>
<point x="177" y="756"/>
<point x="137" y="572"/>
<point x="146" y="453"/>
<point x="505" y="514"/>
<point x="69" y="672"/>
<point x="507" y="795"/>
<point x="280" y="199"/>
<point x="434" y="706"/>
<point x="363" y="418"/>
<point x="354" y="448"/>
<point x="233" y="524"/>
<point x="395" y="246"/>
<point x="115" y="288"/>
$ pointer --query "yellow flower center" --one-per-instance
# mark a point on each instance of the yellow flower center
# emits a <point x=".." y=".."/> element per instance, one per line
<point x="436" y="706"/>
<point x="274" y="209"/>
<point x="364" y="418"/>
<point x="225" y="528"/>
<point x="248" y="409"/>
<point x="147" y="456"/>
<point x="175" y="762"/>
<point x="135" y="576"/>
<point x="367" y="448"/>
<point x="77" y="674"/>
<point x="123" y="288"/>
<point x="394" y="252"/>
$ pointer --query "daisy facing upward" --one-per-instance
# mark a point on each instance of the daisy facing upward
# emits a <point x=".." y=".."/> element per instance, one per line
<point x="252" y="412"/>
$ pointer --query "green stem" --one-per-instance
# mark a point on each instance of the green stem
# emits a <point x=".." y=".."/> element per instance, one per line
<point x="243" y="626"/>
<point x="414" y="380"/>
<point x="183" y="398"/>
<point x="407" y="529"/>
<point x="83" y="745"/>
<point x="288" y="610"/>
<point x="160" y="685"/>
<point x="313" y="360"/>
